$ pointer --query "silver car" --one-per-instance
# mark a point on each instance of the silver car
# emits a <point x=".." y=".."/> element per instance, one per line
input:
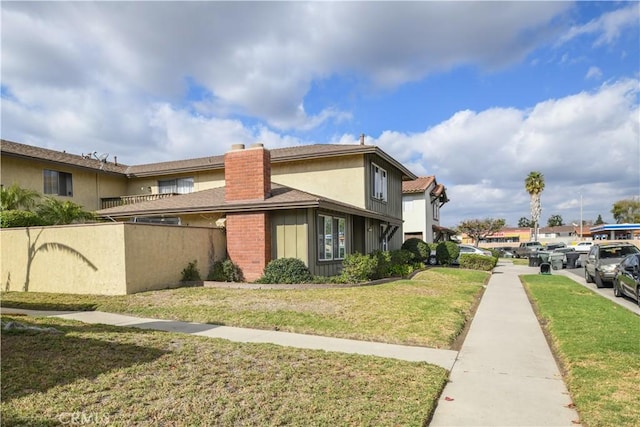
<point x="600" y="265"/>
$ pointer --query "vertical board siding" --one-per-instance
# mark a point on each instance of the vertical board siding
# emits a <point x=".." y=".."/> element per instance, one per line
<point x="290" y="228"/>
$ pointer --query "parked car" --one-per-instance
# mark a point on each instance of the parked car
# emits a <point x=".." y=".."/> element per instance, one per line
<point x="469" y="249"/>
<point x="527" y="249"/>
<point x="600" y="265"/>
<point x="583" y="247"/>
<point x="626" y="280"/>
<point x="505" y="251"/>
<point x="555" y="245"/>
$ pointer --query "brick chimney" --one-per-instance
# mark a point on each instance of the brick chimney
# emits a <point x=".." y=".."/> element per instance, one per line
<point x="247" y="174"/>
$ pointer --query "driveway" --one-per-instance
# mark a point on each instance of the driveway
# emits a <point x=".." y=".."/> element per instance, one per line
<point x="577" y="274"/>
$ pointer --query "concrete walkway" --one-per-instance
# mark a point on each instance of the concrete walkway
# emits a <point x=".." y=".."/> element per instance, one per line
<point x="443" y="358"/>
<point x="505" y="374"/>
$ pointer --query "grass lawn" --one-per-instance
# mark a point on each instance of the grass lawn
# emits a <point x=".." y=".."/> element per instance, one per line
<point x="598" y="345"/>
<point x="104" y="375"/>
<point x="429" y="310"/>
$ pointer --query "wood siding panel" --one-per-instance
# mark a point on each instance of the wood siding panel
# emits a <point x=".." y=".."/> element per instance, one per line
<point x="291" y="236"/>
<point x="393" y="205"/>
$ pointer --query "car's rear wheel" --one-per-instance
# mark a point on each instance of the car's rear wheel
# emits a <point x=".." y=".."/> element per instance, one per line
<point x="587" y="277"/>
<point x="598" y="280"/>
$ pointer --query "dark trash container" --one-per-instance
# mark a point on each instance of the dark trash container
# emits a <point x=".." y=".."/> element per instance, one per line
<point x="534" y="261"/>
<point x="545" y="268"/>
<point x="572" y="259"/>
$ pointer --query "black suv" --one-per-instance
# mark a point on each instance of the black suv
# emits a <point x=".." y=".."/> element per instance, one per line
<point x="600" y="265"/>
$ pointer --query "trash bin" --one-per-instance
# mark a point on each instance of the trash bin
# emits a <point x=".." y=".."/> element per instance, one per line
<point x="544" y="256"/>
<point x="545" y="268"/>
<point x="534" y="261"/>
<point x="572" y="259"/>
<point x="556" y="260"/>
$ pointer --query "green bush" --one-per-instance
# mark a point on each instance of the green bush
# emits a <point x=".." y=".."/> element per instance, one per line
<point x="447" y="252"/>
<point x="286" y="270"/>
<point x="358" y="268"/>
<point x="190" y="272"/>
<point x="225" y="271"/>
<point x="494" y="252"/>
<point x="403" y="263"/>
<point x="383" y="264"/>
<point x="418" y="247"/>
<point x="477" y="262"/>
<point x="19" y="218"/>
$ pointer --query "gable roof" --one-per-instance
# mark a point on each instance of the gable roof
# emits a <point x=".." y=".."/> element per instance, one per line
<point x="278" y="155"/>
<point x="419" y="185"/>
<point x="212" y="200"/>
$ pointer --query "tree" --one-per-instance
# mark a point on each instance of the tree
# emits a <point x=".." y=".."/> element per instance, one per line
<point x="555" y="221"/>
<point x="17" y="198"/>
<point x="55" y="212"/>
<point x="626" y="211"/>
<point x="524" y="222"/>
<point x="599" y="220"/>
<point x="534" y="184"/>
<point x="478" y="229"/>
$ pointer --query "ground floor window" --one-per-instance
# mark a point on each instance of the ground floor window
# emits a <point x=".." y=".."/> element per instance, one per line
<point x="331" y="238"/>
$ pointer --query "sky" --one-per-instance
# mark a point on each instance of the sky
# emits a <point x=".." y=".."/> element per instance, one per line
<point x="478" y="94"/>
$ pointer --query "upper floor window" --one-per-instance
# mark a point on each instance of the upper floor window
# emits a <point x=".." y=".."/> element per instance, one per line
<point x="331" y="238"/>
<point x="57" y="183"/>
<point x="180" y="186"/>
<point x="436" y="210"/>
<point x="379" y="185"/>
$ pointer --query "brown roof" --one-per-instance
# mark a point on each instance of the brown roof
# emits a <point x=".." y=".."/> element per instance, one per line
<point x="301" y="152"/>
<point x="14" y="149"/>
<point x="212" y="200"/>
<point x="418" y="185"/>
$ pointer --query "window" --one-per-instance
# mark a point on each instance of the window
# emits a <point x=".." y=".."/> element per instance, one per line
<point x="58" y="183"/>
<point x="384" y="241"/>
<point x="379" y="185"/>
<point x="436" y="210"/>
<point x="180" y="186"/>
<point x="407" y="206"/>
<point x="331" y="238"/>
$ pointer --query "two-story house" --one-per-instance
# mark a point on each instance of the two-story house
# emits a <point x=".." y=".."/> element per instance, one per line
<point x="315" y="202"/>
<point x="422" y="200"/>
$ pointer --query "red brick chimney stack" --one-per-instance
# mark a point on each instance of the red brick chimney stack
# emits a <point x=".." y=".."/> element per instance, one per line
<point x="247" y="173"/>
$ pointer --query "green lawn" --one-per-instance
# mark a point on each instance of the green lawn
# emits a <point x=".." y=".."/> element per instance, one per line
<point x="104" y="375"/>
<point x="598" y="344"/>
<point x="429" y="310"/>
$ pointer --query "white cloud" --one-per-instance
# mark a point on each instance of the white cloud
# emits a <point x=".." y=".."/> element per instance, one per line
<point x="588" y="142"/>
<point x="594" y="73"/>
<point x="607" y="27"/>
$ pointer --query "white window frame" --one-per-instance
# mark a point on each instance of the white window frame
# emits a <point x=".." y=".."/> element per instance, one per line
<point x="379" y="182"/>
<point x="332" y="240"/>
<point x="178" y="185"/>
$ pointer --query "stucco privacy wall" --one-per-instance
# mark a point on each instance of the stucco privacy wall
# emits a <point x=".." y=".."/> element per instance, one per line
<point x="106" y="258"/>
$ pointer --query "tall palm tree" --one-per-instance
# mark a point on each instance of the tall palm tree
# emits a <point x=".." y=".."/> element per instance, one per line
<point x="15" y="197"/>
<point x="534" y="184"/>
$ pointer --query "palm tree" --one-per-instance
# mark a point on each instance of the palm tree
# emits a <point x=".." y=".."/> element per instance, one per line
<point x="55" y="212"/>
<point x="534" y="184"/>
<point x="15" y="197"/>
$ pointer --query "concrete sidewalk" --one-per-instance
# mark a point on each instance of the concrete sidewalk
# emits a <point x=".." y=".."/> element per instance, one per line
<point x="443" y="358"/>
<point x="505" y="374"/>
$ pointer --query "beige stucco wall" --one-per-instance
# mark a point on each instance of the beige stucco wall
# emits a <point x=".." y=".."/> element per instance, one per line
<point x="88" y="186"/>
<point x="201" y="181"/>
<point x="105" y="258"/>
<point x="338" y="178"/>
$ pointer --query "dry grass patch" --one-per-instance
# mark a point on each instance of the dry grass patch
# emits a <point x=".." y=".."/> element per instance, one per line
<point x="430" y="310"/>
<point x="124" y="376"/>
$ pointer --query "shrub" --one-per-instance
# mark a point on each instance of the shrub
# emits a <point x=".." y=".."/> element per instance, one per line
<point x="19" y="218"/>
<point x="359" y="268"/>
<point x="225" y="271"/>
<point x="477" y="262"/>
<point x="403" y="262"/>
<point x="286" y="270"/>
<point x="190" y="272"/>
<point x="494" y="252"/>
<point x="418" y="247"/>
<point x="383" y="264"/>
<point x="447" y="252"/>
